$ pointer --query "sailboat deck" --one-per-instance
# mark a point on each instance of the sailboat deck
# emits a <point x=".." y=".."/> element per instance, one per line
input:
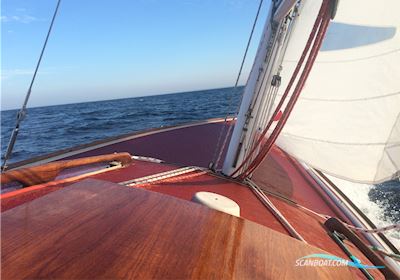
<point x="283" y="181"/>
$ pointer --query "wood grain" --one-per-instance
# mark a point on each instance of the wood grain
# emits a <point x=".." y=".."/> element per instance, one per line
<point x="97" y="229"/>
<point x="30" y="176"/>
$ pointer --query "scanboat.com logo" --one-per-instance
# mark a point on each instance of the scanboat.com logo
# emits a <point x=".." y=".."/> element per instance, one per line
<point x="329" y="260"/>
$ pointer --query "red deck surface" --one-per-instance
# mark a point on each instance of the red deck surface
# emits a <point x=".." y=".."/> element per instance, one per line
<point x="195" y="146"/>
<point x="192" y="145"/>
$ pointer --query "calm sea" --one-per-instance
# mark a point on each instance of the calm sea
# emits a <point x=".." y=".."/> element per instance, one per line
<point x="47" y="129"/>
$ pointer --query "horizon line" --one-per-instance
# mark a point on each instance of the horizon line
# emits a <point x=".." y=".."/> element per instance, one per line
<point x="148" y="95"/>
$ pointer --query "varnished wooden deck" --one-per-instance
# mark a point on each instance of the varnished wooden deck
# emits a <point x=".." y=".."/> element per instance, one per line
<point x="194" y="145"/>
<point x="100" y="230"/>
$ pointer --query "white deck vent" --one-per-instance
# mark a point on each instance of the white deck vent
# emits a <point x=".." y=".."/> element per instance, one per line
<point x="217" y="202"/>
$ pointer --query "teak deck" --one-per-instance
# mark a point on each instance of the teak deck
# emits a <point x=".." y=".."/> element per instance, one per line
<point x="98" y="229"/>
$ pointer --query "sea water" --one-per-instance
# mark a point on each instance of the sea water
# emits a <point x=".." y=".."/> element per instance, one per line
<point x="47" y="129"/>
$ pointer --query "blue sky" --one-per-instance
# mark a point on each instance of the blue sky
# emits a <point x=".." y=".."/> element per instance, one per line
<point x="123" y="48"/>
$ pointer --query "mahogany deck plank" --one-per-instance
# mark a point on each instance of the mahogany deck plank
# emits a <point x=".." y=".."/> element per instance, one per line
<point x="98" y="229"/>
<point x="309" y="226"/>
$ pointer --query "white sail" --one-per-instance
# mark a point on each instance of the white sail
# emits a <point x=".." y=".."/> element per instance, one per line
<point x="347" y="119"/>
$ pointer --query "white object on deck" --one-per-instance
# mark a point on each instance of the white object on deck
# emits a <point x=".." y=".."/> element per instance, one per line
<point x="217" y="202"/>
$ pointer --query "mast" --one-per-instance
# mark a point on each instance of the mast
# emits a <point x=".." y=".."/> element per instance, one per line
<point x="262" y="70"/>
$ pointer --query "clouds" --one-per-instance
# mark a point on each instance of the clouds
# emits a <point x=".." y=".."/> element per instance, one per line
<point x="20" y="15"/>
<point x="8" y="74"/>
<point x="19" y="18"/>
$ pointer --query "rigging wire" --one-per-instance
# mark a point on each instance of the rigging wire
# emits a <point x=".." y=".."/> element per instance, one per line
<point x="286" y="113"/>
<point x="285" y="30"/>
<point x="253" y="110"/>
<point x="22" y="112"/>
<point x="317" y="33"/>
<point x="215" y="161"/>
<point x="272" y="208"/>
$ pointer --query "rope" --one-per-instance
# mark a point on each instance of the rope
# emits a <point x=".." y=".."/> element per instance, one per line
<point x="358" y="229"/>
<point x="160" y="176"/>
<point x="317" y="24"/>
<point x="268" y="203"/>
<point x="316" y="37"/>
<point x="375" y="230"/>
<point x="214" y="164"/>
<point x="277" y="32"/>
<point x="177" y="178"/>
<point x="283" y="30"/>
<point x="261" y="122"/>
<point x="278" y="108"/>
<point x="394" y="256"/>
<point x="22" y="112"/>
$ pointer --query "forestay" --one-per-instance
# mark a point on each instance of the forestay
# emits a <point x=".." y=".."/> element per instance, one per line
<point x="347" y="119"/>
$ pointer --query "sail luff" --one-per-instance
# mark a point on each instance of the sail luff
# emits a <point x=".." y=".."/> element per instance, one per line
<point x="346" y="120"/>
<point x="254" y="92"/>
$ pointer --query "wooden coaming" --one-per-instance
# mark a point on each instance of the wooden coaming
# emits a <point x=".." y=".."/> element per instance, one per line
<point x="34" y="175"/>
